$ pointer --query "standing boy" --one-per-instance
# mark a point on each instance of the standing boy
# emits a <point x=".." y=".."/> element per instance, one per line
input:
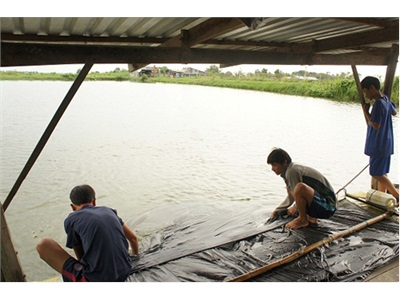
<point x="379" y="145"/>
<point x="97" y="236"/>
<point x="313" y="195"/>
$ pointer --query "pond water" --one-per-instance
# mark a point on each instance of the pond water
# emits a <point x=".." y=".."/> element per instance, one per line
<point x="156" y="151"/>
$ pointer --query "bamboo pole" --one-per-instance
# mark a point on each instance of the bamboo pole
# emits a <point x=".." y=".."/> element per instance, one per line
<point x="309" y="248"/>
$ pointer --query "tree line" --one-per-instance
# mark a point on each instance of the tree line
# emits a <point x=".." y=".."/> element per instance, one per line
<point x="338" y="87"/>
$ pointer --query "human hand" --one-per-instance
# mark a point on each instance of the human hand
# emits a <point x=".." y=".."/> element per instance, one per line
<point x="366" y="106"/>
<point x="271" y="218"/>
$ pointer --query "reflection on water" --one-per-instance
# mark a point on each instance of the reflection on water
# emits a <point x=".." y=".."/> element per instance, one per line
<point x="146" y="147"/>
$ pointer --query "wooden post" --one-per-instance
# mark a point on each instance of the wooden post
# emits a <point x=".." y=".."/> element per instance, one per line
<point x="11" y="269"/>
<point x="388" y="86"/>
<point x="391" y="70"/>
<point x="358" y="83"/>
<point x="47" y="133"/>
<point x="359" y="89"/>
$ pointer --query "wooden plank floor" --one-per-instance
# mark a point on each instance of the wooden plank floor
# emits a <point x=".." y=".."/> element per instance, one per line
<point x="390" y="271"/>
<point x="386" y="273"/>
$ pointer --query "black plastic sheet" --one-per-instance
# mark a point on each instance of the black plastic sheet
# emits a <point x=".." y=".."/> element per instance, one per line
<point x="227" y="244"/>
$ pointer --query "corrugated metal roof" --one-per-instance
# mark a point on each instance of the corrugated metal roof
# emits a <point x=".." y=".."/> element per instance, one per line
<point x="99" y="27"/>
<point x="279" y="36"/>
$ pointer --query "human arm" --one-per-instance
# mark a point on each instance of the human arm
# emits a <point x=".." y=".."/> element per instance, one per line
<point x="74" y="241"/>
<point x="365" y="107"/>
<point x="78" y="251"/>
<point x="367" y="116"/>
<point x="132" y="239"/>
<point x="394" y="112"/>
<point x="374" y="125"/>
<point x="292" y="210"/>
<point x="294" y="175"/>
<point x="284" y="205"/>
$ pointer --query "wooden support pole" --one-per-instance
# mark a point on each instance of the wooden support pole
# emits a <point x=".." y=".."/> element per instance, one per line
<point x="390" y="71"/>
<point x="47" y="133"/>
<point x="360" y="92"/>
<point x="358" y="83"/>
<point x="309" y="248"/>
<point x="11" y="269"/>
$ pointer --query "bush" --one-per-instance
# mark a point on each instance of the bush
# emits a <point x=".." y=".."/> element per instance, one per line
<point x="144" y="78"/>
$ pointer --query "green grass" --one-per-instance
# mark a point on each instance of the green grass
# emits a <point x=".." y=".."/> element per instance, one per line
<point x="343" y="90"/>
<point x="337" y="89"/>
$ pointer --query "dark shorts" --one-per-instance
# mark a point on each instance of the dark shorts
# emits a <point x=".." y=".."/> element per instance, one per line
<point x="72" y="271"/>
<point x="320" y="207"/>
<point x="379" y="166"/>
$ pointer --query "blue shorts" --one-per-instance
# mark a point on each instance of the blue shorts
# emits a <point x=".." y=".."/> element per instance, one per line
<point x="379" y="166"/>
<point x="320" y="207"/>
<point x="72" y="271"/>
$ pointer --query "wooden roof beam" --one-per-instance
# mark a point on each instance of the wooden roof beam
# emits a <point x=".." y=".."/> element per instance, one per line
<point x="22" y="54"/>
<point x="8" y="37"/>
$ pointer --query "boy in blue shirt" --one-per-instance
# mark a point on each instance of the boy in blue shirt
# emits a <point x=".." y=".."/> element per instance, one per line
<point x="99" y="239"/>
<point x="379" y="145"/>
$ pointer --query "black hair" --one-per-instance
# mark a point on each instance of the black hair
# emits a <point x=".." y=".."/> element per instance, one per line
<point x="82" y="194"/>
<point x="369" y="81"/>
<point x="279" y="156"/>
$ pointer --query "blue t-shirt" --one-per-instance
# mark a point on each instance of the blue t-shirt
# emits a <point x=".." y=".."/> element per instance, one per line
<point x="380" y="143"/>
<point x="99" y="230"/>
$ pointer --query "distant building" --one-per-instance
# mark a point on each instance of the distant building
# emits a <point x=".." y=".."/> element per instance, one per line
<point x="311" y="78"/>
<point x="153" y="71"/>
<point x="192" y="72"/>
<point x="150" y="71"/>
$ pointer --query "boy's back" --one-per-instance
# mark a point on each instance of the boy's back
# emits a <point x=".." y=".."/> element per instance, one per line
<point x="99" y="231"/>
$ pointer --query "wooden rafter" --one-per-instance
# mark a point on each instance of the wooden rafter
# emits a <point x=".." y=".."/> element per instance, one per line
<point x="14" y="54"/>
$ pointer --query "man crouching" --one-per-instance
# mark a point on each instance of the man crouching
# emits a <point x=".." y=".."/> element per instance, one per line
<point x="312" y="193"/>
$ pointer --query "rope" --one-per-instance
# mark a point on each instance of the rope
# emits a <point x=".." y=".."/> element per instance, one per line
<point x="344" y="187"/>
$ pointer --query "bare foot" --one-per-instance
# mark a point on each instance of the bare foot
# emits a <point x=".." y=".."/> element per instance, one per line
<point x="297" y="223"/>
<point x="312" y="220"/>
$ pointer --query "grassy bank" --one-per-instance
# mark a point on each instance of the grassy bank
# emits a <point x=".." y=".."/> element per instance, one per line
<point x="343" y="90"/>
<point x="338" y="89"/>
